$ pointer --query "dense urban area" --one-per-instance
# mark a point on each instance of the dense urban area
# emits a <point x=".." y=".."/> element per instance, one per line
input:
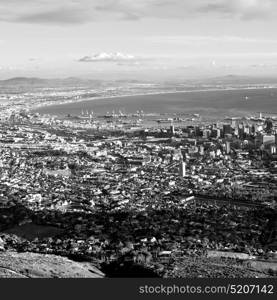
<point x="181" y="198"/>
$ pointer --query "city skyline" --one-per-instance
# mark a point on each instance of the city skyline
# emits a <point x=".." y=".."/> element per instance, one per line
<point x="120" y="38"/>
<point x="138" y="139"/>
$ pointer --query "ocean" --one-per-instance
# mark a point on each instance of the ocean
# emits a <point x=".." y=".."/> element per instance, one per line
<point x="210" y="104"/>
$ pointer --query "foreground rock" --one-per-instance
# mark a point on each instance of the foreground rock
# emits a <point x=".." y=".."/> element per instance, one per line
<point x="32" y="265"/>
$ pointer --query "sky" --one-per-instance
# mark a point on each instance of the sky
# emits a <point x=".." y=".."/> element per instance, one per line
<point x="137" y="39"/>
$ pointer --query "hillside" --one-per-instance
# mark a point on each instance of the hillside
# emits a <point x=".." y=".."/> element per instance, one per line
<point x="33" y="265"/>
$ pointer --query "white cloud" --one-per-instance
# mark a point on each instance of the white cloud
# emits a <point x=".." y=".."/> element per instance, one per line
<point x="110" y="57"/>
<point x="83" y="11"/>
<point x="244" y="9"/>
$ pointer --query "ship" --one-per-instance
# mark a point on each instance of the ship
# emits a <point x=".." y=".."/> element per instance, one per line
<point x="164" y="120"/>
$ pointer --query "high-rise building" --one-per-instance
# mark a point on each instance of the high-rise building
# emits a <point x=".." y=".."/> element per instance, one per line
<point x="247" y="130"/>
<point x="216" y="133"/>
<point x="268" y="139"/>
<point x="206" y="133"/>
<point x="234" y="123"/>
<point x="172" y="129"/>
<point x="272" y="149"/>
<point x="198" y="131"/>
<point x="241" y="131"/>
<point x="228" y="147"/>
<point x="182" y="168"/>
<point x="253" y="129"/>
<point x="182" y="165"/>
<point x="227" y="129"/>
<point x="268" y="126"/>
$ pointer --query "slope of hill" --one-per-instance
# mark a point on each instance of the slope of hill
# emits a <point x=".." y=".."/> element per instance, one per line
<point x="33" y="265"/>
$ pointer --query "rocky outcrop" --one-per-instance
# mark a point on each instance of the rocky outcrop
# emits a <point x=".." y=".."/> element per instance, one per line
<point x="33" y="265"/>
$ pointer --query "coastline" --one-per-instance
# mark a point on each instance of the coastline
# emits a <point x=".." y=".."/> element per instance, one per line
<point x="152" y="93"/>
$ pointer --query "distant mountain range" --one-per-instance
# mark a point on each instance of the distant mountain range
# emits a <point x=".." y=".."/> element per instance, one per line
<point x="59" y="82"/>
<point x="35" y="81"/>
<point x="75" y="81"/>
<point x="238" y="79"/>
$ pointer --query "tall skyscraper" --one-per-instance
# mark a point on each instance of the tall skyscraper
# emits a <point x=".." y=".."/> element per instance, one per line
<point x="182" y="165"/>
<point x="234" y="123"/>
<point x="228" y="147"/>
<point x="216" y="133"/>
<point x="172" y="129"/>
<point x="227" y="129"/>
<point x="182" y="168"/>
<point x="206" y="133"/>
<point x="268" y="126"/>
<point x="272" y="149"/>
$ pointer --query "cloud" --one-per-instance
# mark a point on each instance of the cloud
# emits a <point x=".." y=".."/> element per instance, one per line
<point x="84" y="11"/>
<point x="263" y="66"/>
<point x="199" y="39"/>
<point x="244" y="9"/>
<point x="45" y="11"/>
<point x="58" y="16"/>
<point x="108" y="57"/>
<point x="180" y="9"/>
<point x="223" y="41"/>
